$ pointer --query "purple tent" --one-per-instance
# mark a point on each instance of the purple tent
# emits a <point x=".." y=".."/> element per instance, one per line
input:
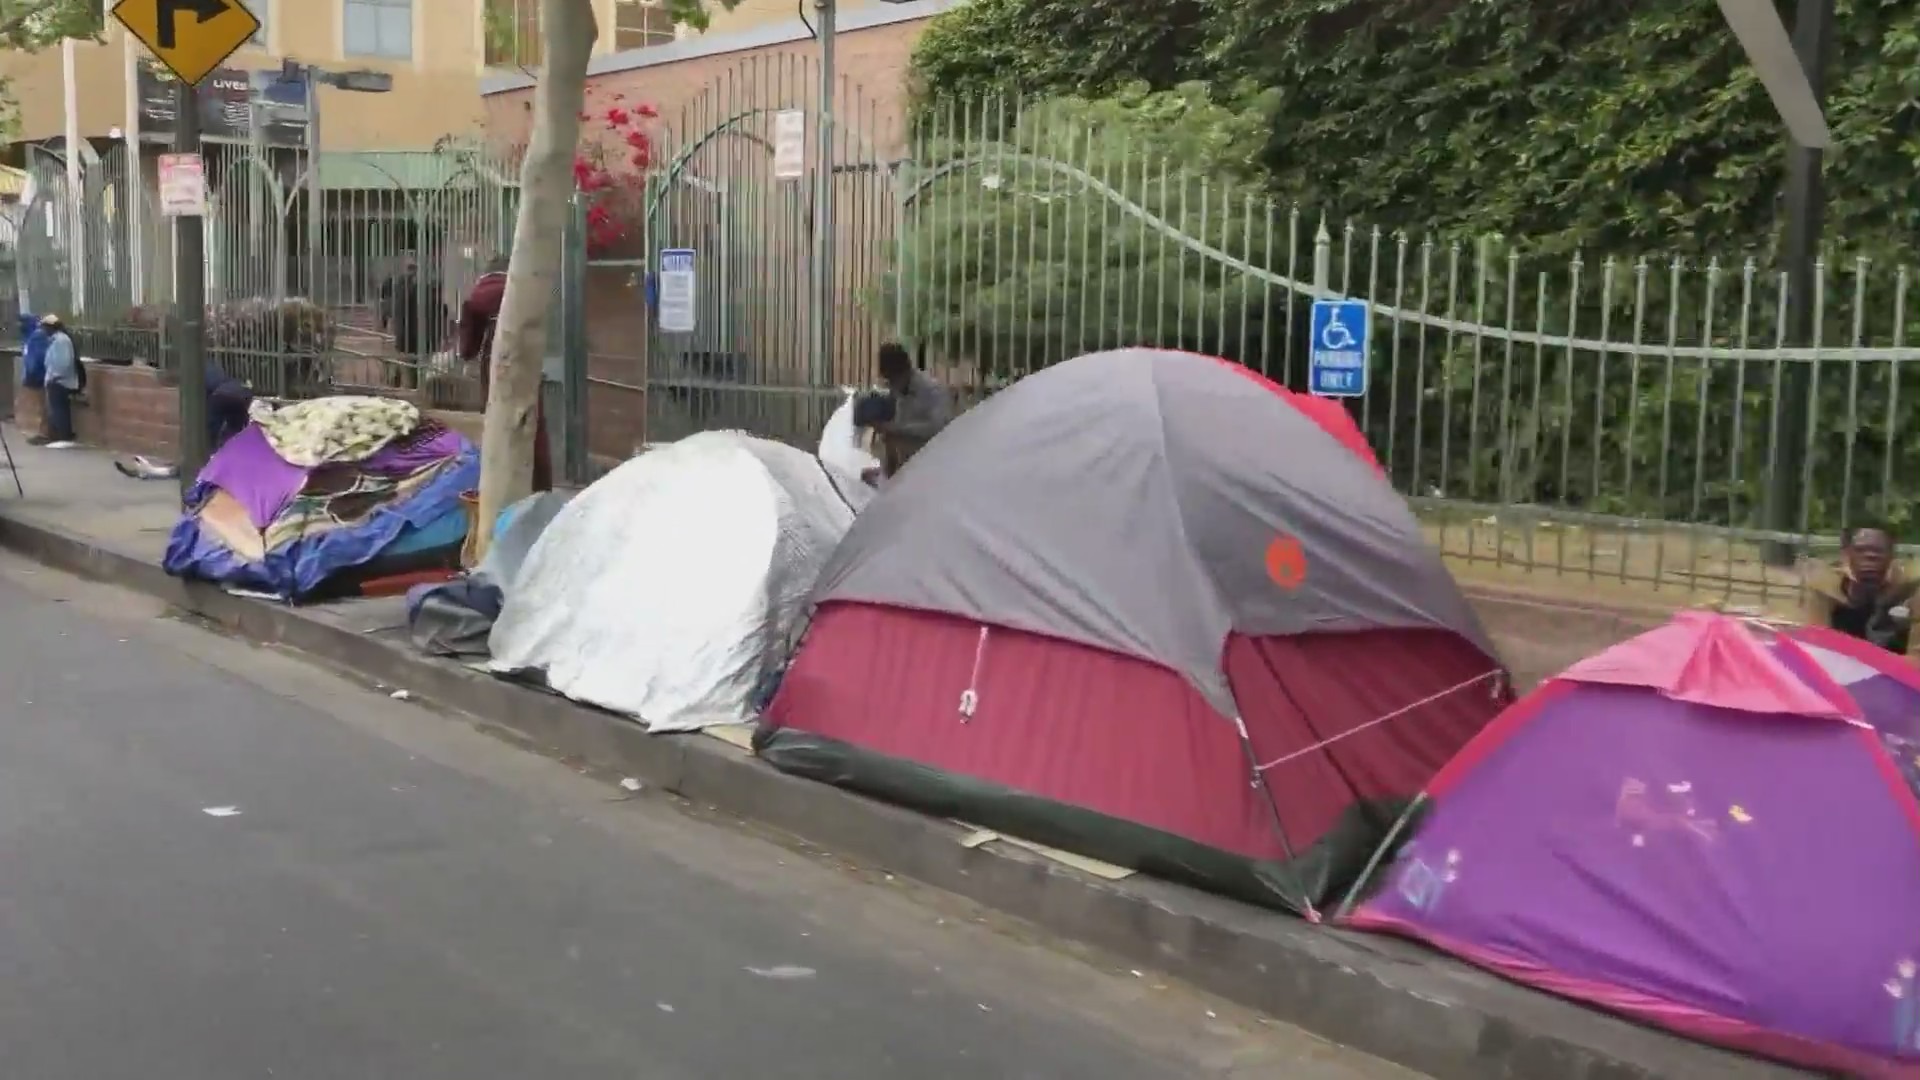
<point x="1712" y="827"/>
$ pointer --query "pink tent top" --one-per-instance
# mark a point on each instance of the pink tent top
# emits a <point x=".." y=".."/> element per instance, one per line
<point x="1711" y="659"/>
<point x="1327" y="414"/>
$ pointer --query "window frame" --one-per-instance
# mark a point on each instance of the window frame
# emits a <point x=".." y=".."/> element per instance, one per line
<point x="523" y="18"/>
<point x="372" y="9"/>
<point x="651" y="37"/>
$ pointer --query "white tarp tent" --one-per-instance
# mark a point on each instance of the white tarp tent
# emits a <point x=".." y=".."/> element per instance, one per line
<point x="673" y="586"/>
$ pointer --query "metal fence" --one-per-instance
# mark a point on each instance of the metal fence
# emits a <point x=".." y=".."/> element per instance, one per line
<point x="762" y="352"/>
<point x="1566" y="415"/>
<point x="324" y="271"/>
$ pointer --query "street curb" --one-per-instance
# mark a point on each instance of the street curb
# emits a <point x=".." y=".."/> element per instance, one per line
<point x="1377" y="995"/>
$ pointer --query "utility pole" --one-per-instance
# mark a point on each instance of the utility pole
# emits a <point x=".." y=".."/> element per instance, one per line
<point x="190" y="303"/>
<point x="1805" y="216"/>
<point x="824" y="247"/>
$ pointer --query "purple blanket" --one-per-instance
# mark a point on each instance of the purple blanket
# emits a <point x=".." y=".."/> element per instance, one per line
<point x="248" y="469"/>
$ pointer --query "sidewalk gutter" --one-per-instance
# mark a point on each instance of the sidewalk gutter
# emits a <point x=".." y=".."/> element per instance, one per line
<point x="1377" y="995"/>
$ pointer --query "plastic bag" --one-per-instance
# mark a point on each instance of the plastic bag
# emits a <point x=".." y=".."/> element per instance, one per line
<point x="841" y="444"/>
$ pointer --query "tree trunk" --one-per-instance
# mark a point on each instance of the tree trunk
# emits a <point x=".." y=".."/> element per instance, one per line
<point x="546" y="189"/>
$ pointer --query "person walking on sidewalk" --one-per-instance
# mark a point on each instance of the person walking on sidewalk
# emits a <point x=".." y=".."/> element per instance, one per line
<point x="66" y="378"/>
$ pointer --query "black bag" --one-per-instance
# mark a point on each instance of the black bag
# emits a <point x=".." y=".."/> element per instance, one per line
<point x="872" y="407"/>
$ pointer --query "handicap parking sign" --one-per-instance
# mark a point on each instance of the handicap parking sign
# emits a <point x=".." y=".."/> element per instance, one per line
<point x="1337" y="358"/>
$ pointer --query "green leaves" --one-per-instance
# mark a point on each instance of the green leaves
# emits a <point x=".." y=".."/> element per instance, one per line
<point x="32" y="25"/>
<point x="1616" y="125"/>
<point x="1613" y="128"/>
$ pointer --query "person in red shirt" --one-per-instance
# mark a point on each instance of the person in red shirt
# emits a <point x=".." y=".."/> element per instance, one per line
<point x="479" y="316"/>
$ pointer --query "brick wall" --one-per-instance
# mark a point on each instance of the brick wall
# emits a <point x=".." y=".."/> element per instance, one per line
<point x="127" y="409"/>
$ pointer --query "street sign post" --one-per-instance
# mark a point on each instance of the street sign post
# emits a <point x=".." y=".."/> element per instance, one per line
<point x="190" y="37"/>
<point x="1337" y="359"/>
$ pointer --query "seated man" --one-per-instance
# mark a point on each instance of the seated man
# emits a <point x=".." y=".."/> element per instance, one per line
<point x="1866" y="594"/>
<point x="916" y="409"/>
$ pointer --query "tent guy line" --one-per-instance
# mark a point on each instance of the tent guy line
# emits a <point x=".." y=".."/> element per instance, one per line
<point x="1495" y="674"/>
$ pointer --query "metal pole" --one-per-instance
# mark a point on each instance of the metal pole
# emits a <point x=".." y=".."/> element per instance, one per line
<point x="264" y="221"/>
<point x="190" y="304"/>
<point x="136" y="175"/>
<point x="823" y="232"/>
<point x="573" y="347"/>
<point x="1804" y="207"/>
<point x="315" y="214"/>
<point x="77" y="262"/>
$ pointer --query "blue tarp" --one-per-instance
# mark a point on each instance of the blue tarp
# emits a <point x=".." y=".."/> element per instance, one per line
<point x="300" y="567"/>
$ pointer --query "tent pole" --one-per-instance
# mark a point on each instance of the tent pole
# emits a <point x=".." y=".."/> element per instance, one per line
<point x="1253" y="770"/>
<point x="1386" y="843"/>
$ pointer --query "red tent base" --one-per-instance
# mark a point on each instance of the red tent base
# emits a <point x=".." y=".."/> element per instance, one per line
<point x="1123" y="760"/>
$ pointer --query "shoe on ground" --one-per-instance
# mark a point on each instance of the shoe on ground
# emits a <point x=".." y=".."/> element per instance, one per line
<point x="38" y="440"/>
<point x="63" y="444"/>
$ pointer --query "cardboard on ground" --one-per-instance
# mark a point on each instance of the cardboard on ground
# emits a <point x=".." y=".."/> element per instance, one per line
<point x="190" y="37"/>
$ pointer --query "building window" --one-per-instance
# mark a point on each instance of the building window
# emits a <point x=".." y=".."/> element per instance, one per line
<point x="259" y="9"/>
<point x="512" y="30"/>
<point x="381" y="28"/>
<point x="640" y="24"/>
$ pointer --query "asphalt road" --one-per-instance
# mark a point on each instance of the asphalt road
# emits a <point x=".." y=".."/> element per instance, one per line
<point x="217" y="861"/>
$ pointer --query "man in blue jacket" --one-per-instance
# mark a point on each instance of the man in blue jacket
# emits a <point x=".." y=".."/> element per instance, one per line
<point x="33" y="368"/>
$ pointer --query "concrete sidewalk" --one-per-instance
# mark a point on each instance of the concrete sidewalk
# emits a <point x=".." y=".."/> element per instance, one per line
<point x="1377" y="995"/>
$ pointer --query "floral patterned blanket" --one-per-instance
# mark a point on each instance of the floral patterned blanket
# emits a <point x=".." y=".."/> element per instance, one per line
<point x="330" y="430"/>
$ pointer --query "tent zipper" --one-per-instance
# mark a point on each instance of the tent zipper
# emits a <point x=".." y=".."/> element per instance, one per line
<point x="970" y="697"/>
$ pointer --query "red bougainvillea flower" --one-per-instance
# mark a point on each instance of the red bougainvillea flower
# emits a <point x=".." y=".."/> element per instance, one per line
<point x="638" y="139"/>
<point x="618" y="117"/>
<point x="646" y="110"/>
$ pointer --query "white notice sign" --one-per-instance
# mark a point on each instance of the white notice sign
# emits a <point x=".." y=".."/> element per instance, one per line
<point x="183" y="185"/>
<point x="789" y="144"/>
<point x="676" y="305"/>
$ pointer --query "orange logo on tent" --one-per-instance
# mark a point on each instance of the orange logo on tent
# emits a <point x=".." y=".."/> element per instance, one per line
<point x="1286" y="562"/>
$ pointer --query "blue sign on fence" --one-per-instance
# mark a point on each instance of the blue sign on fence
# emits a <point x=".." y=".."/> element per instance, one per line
<point x="1337" y="359"/>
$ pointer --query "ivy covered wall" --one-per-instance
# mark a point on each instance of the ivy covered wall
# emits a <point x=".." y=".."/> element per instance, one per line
<point x="1610" y="125"/>
<point x="1599" y="169"/>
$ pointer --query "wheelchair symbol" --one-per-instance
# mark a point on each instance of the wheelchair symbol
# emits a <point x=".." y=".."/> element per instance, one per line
<point x="1335" y="337"/>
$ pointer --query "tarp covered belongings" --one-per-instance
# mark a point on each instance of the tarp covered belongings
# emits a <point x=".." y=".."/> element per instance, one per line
<point x="671" y="588"/>
<point x="256" y="521"/>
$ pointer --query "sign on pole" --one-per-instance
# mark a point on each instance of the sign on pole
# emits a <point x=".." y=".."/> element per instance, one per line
<point x="183" y="185"/>
<point x="789" y="144"/>
<point x="1337" y="362"/>
<point x="675" y="312"/>
<point x="190" y="37"/>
